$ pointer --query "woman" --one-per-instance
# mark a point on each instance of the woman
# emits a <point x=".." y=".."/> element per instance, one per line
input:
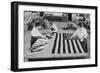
<point x="35" y="36"/>
<point x="53" y="28"/>
<point x="82" y="34"/>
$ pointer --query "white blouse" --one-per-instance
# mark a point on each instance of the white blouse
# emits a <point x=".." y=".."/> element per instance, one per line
<point x="35" y="32"/>
<point x="81" y="33"/>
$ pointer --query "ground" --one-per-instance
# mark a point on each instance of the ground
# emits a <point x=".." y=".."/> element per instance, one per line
<point x="58" y="46"/>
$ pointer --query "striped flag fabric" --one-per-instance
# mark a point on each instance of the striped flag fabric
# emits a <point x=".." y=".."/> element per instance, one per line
<point x="62" y="45"/>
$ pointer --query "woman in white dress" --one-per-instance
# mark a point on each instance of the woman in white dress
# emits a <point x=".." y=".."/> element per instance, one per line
<point x="82" y="34"/>
<point x="35" y="37"/>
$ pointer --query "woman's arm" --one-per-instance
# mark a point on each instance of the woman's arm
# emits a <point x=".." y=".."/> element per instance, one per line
<point x="74" y="34"/>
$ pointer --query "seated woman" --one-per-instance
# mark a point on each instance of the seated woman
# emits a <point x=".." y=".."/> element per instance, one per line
<point x="82" y="34"/>
<point x="53" y="27"/>
<point x="36" y="36"/>
<point x="53" y="30"/>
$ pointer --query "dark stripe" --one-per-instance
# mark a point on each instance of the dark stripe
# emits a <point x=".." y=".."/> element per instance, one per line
<point x="66" y="36"/>
<point x="78" y="46"/>
<point x="55" y="41"/>
<point x="59" y="43"/>
<point x="84" y="46"/>
<point x="69" y="51"/>
<point x="64" y="51"/>
<point x="73" y="46"/>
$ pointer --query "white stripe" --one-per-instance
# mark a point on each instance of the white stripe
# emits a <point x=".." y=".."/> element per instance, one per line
<point x="66" y="46"/>
<point x="80" y="46"/>
<point x="71" y="48"/>
<point x="56" y="48"/>
<point x="76" y="48"/>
